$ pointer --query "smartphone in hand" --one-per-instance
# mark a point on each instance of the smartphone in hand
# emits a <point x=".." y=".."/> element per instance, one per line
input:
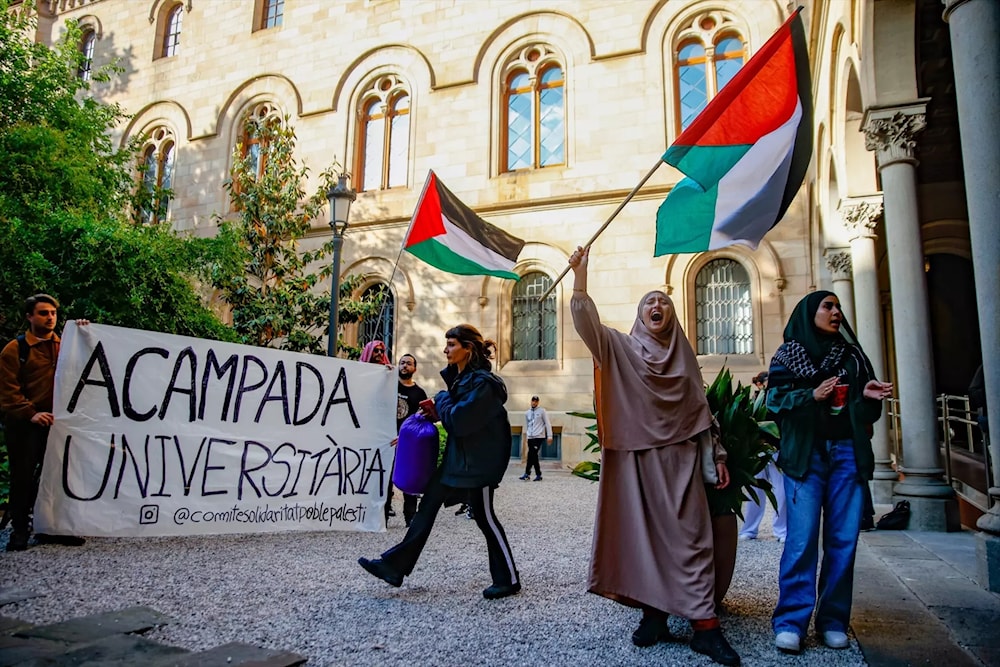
<point x="427" y="406"/>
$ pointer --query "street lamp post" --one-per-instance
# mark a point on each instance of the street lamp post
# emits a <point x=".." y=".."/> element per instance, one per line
<point x="340" y="197"/>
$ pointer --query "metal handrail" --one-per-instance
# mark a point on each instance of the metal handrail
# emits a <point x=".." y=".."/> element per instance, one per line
<point x="952" y="412"/>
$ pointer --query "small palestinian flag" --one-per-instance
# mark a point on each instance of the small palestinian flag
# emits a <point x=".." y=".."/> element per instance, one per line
<point x="745" y="155"/>
<point x="448" y="235"/>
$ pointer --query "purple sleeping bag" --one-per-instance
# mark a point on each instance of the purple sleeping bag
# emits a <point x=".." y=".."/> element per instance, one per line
<point x="416" y="454"/>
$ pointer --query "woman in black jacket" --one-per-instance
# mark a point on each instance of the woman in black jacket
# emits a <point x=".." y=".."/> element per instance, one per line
<point x="475" y="459"/>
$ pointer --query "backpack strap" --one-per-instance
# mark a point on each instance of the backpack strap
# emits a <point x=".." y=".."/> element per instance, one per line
<point x="23" y="349"/>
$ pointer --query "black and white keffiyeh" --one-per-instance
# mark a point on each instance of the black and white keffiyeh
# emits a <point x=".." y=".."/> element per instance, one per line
<point x="793" y="356"/>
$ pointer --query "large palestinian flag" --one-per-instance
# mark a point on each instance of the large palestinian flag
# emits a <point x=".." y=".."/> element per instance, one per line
<point x="745" y="155"/>
<point x="448" y="235"/>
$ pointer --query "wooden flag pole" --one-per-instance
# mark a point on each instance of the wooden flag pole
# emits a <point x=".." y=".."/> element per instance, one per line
<point x="607" y="222"/>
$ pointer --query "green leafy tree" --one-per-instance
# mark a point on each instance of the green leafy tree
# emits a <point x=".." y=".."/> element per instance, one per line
<point x="273" y="287"/>
<point x="66" y="198"/>
<point x="67" y="194"/>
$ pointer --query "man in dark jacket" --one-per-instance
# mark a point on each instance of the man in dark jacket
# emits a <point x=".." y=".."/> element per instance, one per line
<point x="26" y="389"/>
<point x="408" y="402"/>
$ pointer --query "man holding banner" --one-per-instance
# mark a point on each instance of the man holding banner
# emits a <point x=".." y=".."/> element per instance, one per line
<point x="155" y="434"/>
<point x="27" y="373"/>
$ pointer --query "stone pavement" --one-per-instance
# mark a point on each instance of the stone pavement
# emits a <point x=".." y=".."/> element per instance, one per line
<point x="113" y="638"/>
<point x="916" y="602"/>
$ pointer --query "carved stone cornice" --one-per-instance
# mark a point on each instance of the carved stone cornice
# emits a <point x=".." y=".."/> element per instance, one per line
<point x="838" y="261"/>
<point x="891" y="131"/>
<point x="861" y="215"/>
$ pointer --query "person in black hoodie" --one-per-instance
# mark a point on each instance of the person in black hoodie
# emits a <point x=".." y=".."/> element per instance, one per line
<point x="475" y="459"/>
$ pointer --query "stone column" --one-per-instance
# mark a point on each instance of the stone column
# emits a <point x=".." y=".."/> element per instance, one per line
<point x="860" y="216"/>
<point x="891" y="132"/>
<point x="977" y="88"/>
<point x="838" y="262"/>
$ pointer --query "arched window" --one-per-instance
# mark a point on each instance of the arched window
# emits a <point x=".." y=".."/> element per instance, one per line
<point x="533" y="323"/>
<point x="172" y="31"/>
<point x="251" y="143"/>
<point x="87" y="42"/>
<point x="384" y="135"/>
<point x="379" y="327"/>
<point x="156" y="174"/>
<point x="723" y="309"/>
<point x="708" y="53"/>
<point x="534" y="111"/>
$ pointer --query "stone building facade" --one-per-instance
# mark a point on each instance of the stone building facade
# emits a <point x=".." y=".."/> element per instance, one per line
<point x="542" y="115"/>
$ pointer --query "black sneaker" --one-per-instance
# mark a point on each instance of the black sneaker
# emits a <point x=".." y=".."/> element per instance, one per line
<point x="378" y="568"/>
<point x="713" y="644"/>
<point x="390" y="512"/>
<point x="17" y="542"/>
<point x="652" y="629"/>
<point x="462" y="509"/>
<point x="525" y="477"/>
<point x="61" y="540"/>
<point x="497" y="591"/>
<point x="538" y="478"/>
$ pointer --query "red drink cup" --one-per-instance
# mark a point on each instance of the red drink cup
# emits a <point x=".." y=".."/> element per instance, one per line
<point x="838" y="399"/>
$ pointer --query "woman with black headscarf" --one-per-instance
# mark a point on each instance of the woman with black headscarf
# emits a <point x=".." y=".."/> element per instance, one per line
<point x="824" y="394"/>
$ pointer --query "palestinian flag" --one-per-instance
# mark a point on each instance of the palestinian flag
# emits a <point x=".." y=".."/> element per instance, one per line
<point x="448" y="235"/>
<point x="745" y="155"/>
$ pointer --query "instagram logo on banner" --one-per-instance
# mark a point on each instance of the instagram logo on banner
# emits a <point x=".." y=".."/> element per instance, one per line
<point x="838" y="399"/>
<point x="149" y="514"/>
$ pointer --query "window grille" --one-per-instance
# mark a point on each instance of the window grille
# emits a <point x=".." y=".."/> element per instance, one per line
<point x="533" y="324"/>
<point x="379" y="326"/>
<point x="724" y="310"/>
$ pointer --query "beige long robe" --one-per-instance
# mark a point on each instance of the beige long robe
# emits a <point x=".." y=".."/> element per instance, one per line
<point x="652" y="533"/>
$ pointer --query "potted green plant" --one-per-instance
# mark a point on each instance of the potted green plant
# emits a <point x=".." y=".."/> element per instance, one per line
<point x="747" y="435"/>
<point x="589" y="469"/>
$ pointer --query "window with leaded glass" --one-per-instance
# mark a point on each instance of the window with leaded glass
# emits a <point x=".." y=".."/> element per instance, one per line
<point x="708" y="53"/>
<point x="384" y="135"/>
<point x="723" y="309"/>
<point x="533" y="323"/>
<point x="156" y="175"/>
<point x="87" y="42"/>
<point x="534" y="112"/>
<point x="379" y="327"/>
<point x="172" y="31"/>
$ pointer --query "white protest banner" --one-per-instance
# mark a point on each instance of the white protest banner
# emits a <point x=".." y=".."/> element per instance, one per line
<point x="157" y="434"/>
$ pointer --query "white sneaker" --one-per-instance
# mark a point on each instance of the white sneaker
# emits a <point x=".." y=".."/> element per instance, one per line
<point x="835" y="639"/>
<point x="745" y="538"/>
<point x="788" y="642"/>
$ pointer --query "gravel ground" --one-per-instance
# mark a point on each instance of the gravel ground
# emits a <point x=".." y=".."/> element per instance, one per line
<point x="305" y="592"/>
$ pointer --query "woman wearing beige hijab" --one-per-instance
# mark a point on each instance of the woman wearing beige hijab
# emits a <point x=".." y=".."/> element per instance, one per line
<point x="653" y="534"/>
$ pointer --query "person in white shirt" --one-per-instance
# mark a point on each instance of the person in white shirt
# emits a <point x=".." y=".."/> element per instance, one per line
<point x="537" y="431"/>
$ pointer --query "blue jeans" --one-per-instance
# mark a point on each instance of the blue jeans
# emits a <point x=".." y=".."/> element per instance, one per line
<point x="831" y="488"/>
